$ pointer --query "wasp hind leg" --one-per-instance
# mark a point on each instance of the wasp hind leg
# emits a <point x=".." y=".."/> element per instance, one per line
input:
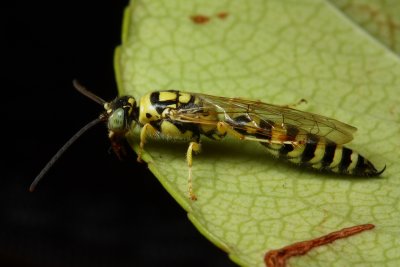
<point x="193" y="147"/>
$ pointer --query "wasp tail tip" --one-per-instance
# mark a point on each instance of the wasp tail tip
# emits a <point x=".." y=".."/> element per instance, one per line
<point x="381" y="171"/>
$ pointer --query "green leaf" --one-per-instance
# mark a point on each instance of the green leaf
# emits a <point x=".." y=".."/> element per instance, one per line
<point x="380" y="18"/>
<point x="277" y="52"/>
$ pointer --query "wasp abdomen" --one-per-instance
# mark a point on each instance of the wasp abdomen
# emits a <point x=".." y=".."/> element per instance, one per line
<point x="321" y="154"/>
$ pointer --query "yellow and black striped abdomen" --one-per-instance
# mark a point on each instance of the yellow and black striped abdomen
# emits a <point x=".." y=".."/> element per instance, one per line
<point x="321" y="154"/>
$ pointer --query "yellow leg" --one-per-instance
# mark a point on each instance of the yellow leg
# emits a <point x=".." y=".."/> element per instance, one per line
<point x="193" y="147"/>
<point x="223" y="128"/>
<point x="144" y="132"/>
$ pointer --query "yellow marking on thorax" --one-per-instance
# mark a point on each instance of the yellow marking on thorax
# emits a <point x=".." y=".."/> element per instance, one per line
<point x="145" y="106"/>
<point x="208" y="128"/>
<point x="170" y="130"/>
<point x="184" y="98"/>
<point x="167" y="96"/>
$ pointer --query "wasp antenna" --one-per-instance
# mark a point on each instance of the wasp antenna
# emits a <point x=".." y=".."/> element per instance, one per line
<point x="82" y="89"/>
<point x="62" y="150"/>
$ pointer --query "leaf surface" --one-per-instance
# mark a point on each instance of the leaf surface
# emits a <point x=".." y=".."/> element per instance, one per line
<point x="380" y="18"/>
<point x="277" y="52"/>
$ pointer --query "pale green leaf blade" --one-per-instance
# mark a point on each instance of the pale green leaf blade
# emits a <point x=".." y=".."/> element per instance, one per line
<point x="380" y="18"/>
<point x="277" y="52"/>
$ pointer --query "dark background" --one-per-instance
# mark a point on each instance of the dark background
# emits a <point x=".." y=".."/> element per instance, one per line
<point x="91" y="209"/>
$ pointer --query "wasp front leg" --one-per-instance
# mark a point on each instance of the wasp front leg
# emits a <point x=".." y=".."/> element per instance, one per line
<point x="146" y="130"/>
<point x="193" y="147"/>
<point x="118" y="144"/>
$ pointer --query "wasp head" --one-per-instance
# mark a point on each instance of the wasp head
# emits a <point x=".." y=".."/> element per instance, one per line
<point x="121" y="113"/>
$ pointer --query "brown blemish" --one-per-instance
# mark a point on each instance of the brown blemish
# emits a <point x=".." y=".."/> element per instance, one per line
<point x="278" y="257"/>
<point x="200" y="19"/>
<point x="383" y="21"/>
<point x="203" y="19"/>
<point x="222" y="15"/>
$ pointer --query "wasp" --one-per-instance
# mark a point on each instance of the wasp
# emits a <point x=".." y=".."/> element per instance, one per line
<point x="303" y="138"/>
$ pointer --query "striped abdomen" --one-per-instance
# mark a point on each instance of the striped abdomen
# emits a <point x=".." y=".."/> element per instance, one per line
<point x="319" y="153"/>
<point x="305" y="149"/>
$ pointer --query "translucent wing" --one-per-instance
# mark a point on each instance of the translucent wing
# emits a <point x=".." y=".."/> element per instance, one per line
<point x="258" y="113"/>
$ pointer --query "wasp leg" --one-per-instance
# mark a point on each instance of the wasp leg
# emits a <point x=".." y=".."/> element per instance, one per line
<point x="294" y="105"/>
<point x="117" y="145"/>
<point x="144" y="132"/>
<point x="225" y="128"/>
<point x="193" y="147"/>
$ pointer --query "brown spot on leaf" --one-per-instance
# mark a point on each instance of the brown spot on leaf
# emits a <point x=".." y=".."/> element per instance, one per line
<point x="200" y="19"/>
<point x="222" y="15"/>
<point x="278" y="257"/>
<point x="384" y="22"/>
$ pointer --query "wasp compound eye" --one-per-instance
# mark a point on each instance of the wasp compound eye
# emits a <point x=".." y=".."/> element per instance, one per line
<point x="117" y="121"/>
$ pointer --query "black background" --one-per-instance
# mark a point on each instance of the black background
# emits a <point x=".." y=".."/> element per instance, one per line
<point x="91" y="209"/>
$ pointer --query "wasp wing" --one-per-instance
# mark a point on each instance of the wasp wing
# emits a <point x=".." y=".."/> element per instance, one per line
<point x="257" y="113"/>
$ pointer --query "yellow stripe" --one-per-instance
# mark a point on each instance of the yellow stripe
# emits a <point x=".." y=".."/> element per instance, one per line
<point x="296" y="152"/>
<point x="337" y="157"/>
<point x="296" y="160"/>
<point x="275" y="146"/>
<point x="354" y="158"/>
<point x="318" y="153"/>
<point x="274" y="152"/>
<point x="317" y="166"/>
<point x="299" y="149"/>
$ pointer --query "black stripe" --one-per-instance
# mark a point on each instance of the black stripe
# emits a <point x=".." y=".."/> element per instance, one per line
<point x="329" y="154"/>
<point x="155" y="102"/>
<point x="242" y="119"/>
<point x="182" y="127"/>
<point x="291" y="132"/>
<point x="161" y="105"/>
<point x="309" y="150"/>
<point x="360" y="166"/>
<point x="240" y="123"/>
<point x="267" y="130"/>
<point x="346" y="160"/>
<point x="285" y="149"/>
<point x="155" y="98"/>
<point x="156" y="125"/>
